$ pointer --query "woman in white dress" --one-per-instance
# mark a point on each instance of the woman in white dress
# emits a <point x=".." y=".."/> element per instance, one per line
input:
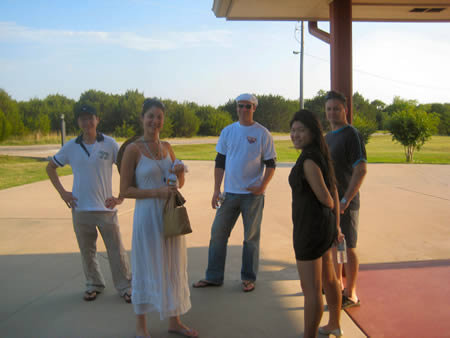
<point x="159" y="264"/>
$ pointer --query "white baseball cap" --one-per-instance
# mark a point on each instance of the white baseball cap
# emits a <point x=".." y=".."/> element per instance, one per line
<point x="247" y="97"/>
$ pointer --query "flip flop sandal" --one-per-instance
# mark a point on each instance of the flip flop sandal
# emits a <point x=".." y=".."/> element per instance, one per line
<point x="203" y="283"/>
<point x="90" y="296"/>
<point x="248" y="286"/>
<point x="184" y="332"/>
<point x="348" y="303"/>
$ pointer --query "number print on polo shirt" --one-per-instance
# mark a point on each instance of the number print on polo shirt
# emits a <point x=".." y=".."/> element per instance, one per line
<point x="103" y="155"/>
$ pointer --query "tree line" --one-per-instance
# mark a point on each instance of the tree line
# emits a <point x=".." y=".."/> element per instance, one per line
<point x="120" y="114"/>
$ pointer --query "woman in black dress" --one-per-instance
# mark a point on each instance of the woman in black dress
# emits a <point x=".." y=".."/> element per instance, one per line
<point x="315" y="214"/>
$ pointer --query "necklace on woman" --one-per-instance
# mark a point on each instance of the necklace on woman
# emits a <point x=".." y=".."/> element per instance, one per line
<point x="159" y="154"/>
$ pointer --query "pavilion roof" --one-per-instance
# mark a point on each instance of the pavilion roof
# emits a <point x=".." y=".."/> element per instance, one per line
<point x="318" y="10"/>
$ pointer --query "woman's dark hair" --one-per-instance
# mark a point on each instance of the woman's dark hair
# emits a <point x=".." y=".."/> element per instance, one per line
<point x="310" y="121"/>
<point x="153" y="102"/>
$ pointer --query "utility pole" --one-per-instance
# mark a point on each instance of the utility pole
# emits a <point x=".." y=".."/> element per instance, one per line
<point x="302" y="104"/>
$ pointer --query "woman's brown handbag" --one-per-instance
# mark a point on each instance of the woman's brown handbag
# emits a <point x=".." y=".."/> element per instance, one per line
<point x="175" y="217"/>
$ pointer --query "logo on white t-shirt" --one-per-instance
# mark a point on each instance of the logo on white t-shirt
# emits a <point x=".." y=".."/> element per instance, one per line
<point x="251" y="139"/>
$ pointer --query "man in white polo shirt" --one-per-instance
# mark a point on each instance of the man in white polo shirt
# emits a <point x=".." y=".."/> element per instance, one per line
<point x="91" y="156"/>
<point x="246" y="157"/>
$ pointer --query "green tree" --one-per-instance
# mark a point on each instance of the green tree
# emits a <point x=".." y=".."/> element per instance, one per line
<point x="230" y="107"/>
<point x="42" y="124"/>
<point x="5" y="127"/>
<point x="126" y="109"/>
<point x="105" y="104"/>
<point x="443" y="111"/>
<point x="317" y="105"/>
<point x="212" y="120"/>
<point x="365" y="126"/>
<point x="399" y="104"/>
<point x="379" y="107"/>
<point x="58" y="105"/>
<point x="35" y="114"/>
<point x="365" y="116"/>
<point x="412" y="127"/>
<point x="124" y="130"/>
<point x="363" y="108"/>
<point x="167" y="130"/>
<point x="12" y="115"/>
<point x="274" y="112"/>
<point x="185" y="122"/>
<point x="378" y="104"/>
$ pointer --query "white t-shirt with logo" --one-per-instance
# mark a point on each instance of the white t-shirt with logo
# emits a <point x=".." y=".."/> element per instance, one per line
<point x="245" y="148"/>
<point x="92" y="174"/>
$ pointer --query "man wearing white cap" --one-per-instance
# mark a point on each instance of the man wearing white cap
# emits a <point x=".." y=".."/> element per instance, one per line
<point x="246" y="156"/>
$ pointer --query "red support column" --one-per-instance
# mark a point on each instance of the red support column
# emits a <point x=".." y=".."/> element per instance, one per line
<point x="341" y="50"/>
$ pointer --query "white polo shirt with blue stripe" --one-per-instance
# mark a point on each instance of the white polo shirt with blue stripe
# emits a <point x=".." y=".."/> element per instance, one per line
<point x="92" y="170"/>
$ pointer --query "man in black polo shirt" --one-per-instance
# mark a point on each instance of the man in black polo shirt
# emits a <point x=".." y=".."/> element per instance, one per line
<point x="350" y="164"/>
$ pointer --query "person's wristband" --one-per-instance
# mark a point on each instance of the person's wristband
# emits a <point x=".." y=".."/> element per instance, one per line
<point x="344" y="200"/>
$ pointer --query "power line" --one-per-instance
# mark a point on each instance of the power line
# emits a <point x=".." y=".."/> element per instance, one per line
<point x="383" y="77"/>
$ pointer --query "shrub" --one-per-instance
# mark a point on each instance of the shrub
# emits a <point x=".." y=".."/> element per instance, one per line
<point x="124" y="130"/>
<point x="212" y="120"/>
<point x="365" y="126"/>
<point x="185" y="122"/>
<point x="412" y="128"/>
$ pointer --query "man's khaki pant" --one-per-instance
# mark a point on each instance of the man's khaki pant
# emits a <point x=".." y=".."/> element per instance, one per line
<point x="85" y="224"/>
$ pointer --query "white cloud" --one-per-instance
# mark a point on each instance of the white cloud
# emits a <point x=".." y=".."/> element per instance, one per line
<point x="172" y="40"/>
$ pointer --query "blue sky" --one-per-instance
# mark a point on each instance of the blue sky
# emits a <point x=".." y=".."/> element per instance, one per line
<point x="178" y="49"/>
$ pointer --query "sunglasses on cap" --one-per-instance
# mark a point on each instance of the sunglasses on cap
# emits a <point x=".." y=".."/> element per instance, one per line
<point x="247" y="106"/>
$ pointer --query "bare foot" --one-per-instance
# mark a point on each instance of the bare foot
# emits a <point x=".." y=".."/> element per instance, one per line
<point x="141" y="329"/>
<point x="177" y="327"/>
<point x="185" y="332"/>
<point x="142" y="334"/>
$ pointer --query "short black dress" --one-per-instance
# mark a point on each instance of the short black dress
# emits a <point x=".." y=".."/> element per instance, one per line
<point x="314" y="223"/>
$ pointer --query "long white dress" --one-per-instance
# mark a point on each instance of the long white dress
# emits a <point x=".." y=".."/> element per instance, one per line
<point x="159" y="265"/>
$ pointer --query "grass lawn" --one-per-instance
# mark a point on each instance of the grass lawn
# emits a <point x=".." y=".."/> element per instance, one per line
<point x="15" y="171"/>
<point x="207" y="152"/>
<point x="33" y="139"/>
<point x="381" y="149"/>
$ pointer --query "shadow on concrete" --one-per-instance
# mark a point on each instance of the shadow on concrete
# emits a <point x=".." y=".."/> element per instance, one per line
<point x="44" y="299"/>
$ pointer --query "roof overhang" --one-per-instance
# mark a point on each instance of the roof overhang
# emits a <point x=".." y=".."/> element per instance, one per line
<point x="318" y="10"/>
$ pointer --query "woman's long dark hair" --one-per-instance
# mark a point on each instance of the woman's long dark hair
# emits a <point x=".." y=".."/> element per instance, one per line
<point x="310" y="121"/>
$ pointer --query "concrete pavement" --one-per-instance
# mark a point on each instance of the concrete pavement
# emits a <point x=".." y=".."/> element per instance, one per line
<point x="404" y="217"/>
